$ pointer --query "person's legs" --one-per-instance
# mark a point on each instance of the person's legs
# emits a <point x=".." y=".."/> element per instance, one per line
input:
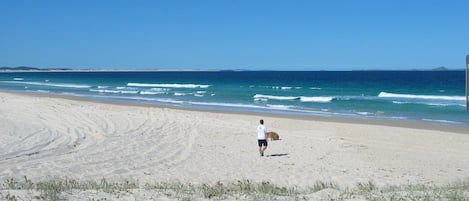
<point x="263" y="149"/>
<point x="259" y="142"/>
<point x="262" y="146"/>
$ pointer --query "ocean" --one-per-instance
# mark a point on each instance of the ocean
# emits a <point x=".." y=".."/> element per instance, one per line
<point x="435" y="97"/>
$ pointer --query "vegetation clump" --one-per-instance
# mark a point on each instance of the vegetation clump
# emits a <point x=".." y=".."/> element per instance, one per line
<point x="70" y="189"/>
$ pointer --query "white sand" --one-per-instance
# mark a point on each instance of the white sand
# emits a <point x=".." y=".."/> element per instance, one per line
<point x="46" y="137"/>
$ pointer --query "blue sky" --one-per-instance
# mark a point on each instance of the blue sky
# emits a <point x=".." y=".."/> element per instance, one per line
<point x="234" y="34"/>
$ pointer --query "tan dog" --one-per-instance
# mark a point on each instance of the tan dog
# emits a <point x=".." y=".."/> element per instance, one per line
<point x="272" y="135"/>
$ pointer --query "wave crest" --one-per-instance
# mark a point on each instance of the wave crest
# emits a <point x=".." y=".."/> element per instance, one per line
<point x="261" y="96"/>
<point x="168" y="85"/>
<point x="413" y="96"/>
<point x="319" y="99"/>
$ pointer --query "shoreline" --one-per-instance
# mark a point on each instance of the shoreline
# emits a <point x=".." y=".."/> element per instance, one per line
<point x="413" y="124"/>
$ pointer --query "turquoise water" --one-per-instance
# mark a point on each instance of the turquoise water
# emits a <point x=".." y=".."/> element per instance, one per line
<point x="424" y="96"/>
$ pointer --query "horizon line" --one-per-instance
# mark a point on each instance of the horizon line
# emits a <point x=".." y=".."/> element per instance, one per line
<point x="51" y="69"/>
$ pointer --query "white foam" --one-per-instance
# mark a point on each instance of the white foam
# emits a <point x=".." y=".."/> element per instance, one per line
<point x="320" y="99"/>
<point x="151" y="92"/>
<point x="114" y="91"/>
<point x="267" y="107"/>
<point x="199" y="95"/>
<point x="168" y="85"/>
<point x="162" y="100"/>
<point x="50" y="84"/>
<point x="71" y="94"/>
<point x="182" y="94"/>
<point x="412" y="96"/>
<point x="315" y="88"/>
<point x="105" y="91"/>
<point x="129" y="92"/>
<point x="399" y="102"/>
<point x="227" y="105"/>
<point x="102" y="87"/>
<point x="18" y="78"/>
<point x="364" y="113"/>
<point x="159" y="89"/>
<point x="399" y="118"/>
<point x="261" y="99"/>
<point x="279" y="107"/>
<point x="442" y="121"/>
<point x="275" y="97"/>
<point x="127" y="88"/>
<point x="431" y="104"/>
<point x="444" y="105"/>
<point x="438" y="104"/>
<point x="282" y="87"/>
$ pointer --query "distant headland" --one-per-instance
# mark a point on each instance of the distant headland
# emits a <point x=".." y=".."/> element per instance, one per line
<point x="26" y="68"/>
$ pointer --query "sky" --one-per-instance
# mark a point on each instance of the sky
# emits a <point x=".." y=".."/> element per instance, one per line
<point x="235" y="34"/>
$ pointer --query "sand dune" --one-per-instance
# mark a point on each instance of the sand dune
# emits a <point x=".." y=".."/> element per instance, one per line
<point x="45" y="137"/>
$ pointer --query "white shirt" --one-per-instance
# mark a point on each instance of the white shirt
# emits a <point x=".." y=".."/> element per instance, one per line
<point x="261" y="132"/>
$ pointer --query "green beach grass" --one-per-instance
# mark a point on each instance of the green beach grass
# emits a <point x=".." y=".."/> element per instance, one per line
<point x="70" y="189"/>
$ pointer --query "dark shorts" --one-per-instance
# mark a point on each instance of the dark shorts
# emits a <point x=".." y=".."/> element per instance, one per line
<point x="262" y="143"/>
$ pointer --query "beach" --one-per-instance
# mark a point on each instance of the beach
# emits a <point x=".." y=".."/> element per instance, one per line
<point x="45" y="137"/>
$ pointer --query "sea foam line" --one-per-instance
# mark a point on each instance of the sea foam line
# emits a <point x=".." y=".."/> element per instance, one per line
<point x="151" y="92"/>
<point x="181" y="94"/>
<point x="114" y="91"/>
<point x="250" y="106"/>
<point x="412" y="96"/>
<point x="50" y="84"/>
<point x="274" y="87"/>
<point x="442" y="121"/>
<point x="431" y="104"/>
<point x="320" y="99"/>
<point x="168" y="85"/>
<point x="261" y="96"/>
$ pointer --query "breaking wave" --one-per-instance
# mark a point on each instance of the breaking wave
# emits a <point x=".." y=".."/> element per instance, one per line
<point x="412" y="96"/>
<point x="261" y="96"/>
<point x="319" y="99"/>
<point x="168" y="85"/>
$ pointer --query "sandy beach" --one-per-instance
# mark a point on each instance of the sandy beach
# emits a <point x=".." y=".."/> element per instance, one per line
<point x="44" y="137"/>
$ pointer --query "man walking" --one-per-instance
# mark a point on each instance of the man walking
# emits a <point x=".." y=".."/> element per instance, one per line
<point x="262" y="137"/>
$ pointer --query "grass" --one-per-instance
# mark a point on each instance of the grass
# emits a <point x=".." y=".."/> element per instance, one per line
<point x="62" y="189"/>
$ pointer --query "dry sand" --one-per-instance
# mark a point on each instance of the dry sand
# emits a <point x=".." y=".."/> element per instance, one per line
<point x="45" y="137"/>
